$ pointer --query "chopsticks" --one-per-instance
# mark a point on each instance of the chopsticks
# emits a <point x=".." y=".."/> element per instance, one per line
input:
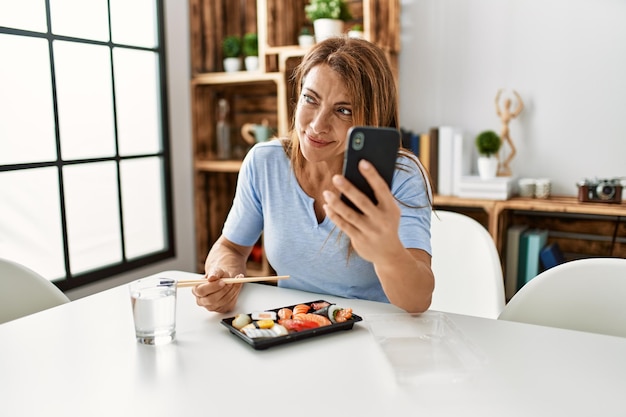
<point x="194" y="282"/>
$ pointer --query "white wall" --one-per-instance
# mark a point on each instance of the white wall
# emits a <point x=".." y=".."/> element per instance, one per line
<point x="178" y="69"/>
<point x="566" y="58"/>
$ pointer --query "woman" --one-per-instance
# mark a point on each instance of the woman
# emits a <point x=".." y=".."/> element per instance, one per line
<point x="289" y="189"/>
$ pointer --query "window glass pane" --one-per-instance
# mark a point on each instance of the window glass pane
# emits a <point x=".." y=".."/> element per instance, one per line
<point x="83" y="76"/>
<point x="137" y="101"/>
<point x="143" y="206"/>
<point x="29" y="234"/>
<point x="24" y="14"/>
<point x="93" y="223"/>
<point x="26" y="111"/>
<point x="134" y="22"/>
<point x="80" y="18"/>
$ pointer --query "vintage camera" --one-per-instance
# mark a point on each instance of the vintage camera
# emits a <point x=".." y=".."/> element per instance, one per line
<point x="600" y="190"/>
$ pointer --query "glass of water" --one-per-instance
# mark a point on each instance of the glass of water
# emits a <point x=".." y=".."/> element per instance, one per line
<point x="154" y="309"/>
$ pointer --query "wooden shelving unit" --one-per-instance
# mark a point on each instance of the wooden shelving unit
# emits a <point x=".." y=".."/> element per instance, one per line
<point x="265" y="94"/>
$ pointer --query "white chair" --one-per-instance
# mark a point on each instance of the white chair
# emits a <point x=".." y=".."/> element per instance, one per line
<point x="584" y="294"/>
<point x="23" y="292"/>
<point x="466" y="265"/>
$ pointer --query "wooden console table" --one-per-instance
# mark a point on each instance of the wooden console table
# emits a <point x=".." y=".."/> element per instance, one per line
<point x="584" y="229"/>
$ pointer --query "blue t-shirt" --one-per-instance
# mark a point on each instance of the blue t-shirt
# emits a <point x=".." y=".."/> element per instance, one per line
<point x="269" y="199"/>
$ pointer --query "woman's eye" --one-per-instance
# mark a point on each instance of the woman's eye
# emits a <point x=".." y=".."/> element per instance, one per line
<point x="307" y="99"/>
<point x="344" y="111"/>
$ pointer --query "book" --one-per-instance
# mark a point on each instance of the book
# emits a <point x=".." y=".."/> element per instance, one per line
<point x="513" y="237"/>
<point x="551" y="255"/>
<point x="410" y="141"/>
<point x="406" y="138"/>
<point x="424" y="152"/>
<point x="445" y="160"/>
<point x="474" y="182"/>
<point x="433" y="157"/>
<point x="484" y="195"/>
<point x="531" y="243"/>
<point x="415" y="144"/>
<point x="462" y="154"/>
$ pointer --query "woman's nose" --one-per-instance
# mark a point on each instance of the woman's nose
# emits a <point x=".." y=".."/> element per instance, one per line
<point x="321" y="121"/>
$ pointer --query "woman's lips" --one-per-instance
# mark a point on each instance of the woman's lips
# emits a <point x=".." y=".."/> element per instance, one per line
<point x="319" y="143"/>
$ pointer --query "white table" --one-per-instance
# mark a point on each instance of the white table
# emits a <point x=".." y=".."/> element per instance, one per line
<point x="81" y="359"/>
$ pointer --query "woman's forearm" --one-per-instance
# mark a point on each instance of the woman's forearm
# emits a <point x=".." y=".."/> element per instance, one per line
<point x="229" y="257"/>
<point x="408" y="280"/>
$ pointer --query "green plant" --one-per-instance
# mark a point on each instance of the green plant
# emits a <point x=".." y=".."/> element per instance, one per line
<point x="305" y="31"/>
<point x="231" y="46"/>
<point x="488" y="143"/>
<point x="357" y="28"/>
<point x="251" y="44"/>
<point x="327" y="9"/>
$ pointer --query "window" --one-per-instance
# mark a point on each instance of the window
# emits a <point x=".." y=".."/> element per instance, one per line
<point x="84" y="149"/>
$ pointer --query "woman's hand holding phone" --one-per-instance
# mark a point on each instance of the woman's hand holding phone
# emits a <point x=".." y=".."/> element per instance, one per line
<point x="378" y="223"/>
<point x="367" y="210"/>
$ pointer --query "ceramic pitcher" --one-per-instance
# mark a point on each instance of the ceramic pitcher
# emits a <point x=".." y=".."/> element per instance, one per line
<point x="254" y="133"/>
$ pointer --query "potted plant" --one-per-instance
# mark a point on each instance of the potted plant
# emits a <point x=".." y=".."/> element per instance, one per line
<point x="306" y="39"/>
<point x="488" y="144"/>
<point x="356" y="32"/>
<point x="231" y="48"/>
<point x="251" y="51"/>
<point x="327" y="17"/>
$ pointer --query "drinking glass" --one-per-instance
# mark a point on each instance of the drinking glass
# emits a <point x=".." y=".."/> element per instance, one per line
<point x="542" y="188"/>
<point x="526" y="187"/>
<point x="153" y="303"/>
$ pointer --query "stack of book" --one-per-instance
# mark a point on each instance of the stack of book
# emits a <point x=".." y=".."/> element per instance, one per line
<point x="425" y="146"/>
<point x="447" y="153"/>
<point x="498" y="188"/>
<point x="527" y="255"/>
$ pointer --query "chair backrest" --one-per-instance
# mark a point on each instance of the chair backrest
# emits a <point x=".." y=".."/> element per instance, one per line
<point x="23" y="292"/>
<point x="466" y="265"/>
<point x="584" y="294"/>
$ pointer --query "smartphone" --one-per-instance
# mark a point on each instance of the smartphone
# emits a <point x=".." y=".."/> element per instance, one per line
<point x="377" y="145"/>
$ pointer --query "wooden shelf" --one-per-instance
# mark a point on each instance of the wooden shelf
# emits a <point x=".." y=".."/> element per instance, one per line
<point x="559" y="204"/>
<point x="217" y="166"/>
<point x="239" y="77"/>
<point x="445" y="200"/>
<point x="286" y="51"/>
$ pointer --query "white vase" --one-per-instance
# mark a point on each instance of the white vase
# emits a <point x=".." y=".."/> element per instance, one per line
<point x="232" y="64"/>
<point x="356" y="34"/>
<point x="306" y="41"/>
<point x="251" y="63"/>
<point x="487" y="167"/>
<point x="326" y="28"/>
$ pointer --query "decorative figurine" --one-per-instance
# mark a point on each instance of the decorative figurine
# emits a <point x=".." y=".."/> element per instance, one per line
<point x="506" y="116"/>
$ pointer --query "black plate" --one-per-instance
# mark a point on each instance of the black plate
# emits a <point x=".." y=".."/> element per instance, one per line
<point x="266" y="342"/>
